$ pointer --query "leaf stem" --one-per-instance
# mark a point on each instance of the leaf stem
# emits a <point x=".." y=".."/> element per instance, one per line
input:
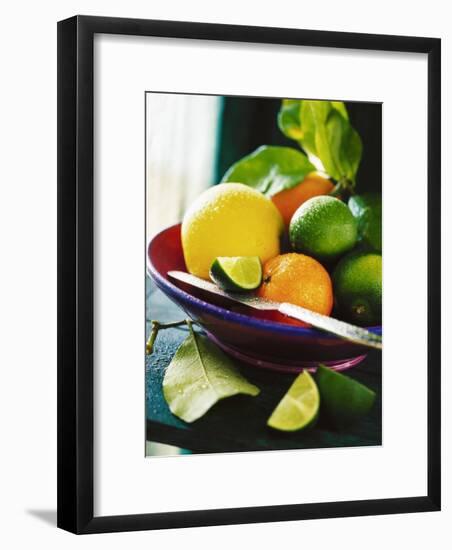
<point x="152" y="337"/>
<point x="156" y="326"/>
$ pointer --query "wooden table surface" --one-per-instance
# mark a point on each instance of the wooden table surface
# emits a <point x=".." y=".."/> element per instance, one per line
<point x="239" y="423"/>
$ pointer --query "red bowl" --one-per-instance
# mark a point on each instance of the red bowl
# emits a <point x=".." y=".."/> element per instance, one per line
<point x="253" y="336"/>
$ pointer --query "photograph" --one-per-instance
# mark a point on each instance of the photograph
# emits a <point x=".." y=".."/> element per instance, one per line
<point x="264" y="274"/>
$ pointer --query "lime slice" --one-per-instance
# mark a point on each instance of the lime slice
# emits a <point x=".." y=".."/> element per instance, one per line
<point x="237" y="273"/>
<point x="344" y="400"/>
<point x="299" y="407"/>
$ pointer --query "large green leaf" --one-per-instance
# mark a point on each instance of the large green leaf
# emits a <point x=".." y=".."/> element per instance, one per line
<point x="270" y="169"/>
<point x="199" y="375"/>
<point x="325" y="133"/>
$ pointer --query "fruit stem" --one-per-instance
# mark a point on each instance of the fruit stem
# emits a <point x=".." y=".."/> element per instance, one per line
<point x="343" y="189"/>
<point x="156" y="326"/>
<point x="359" y="309"/>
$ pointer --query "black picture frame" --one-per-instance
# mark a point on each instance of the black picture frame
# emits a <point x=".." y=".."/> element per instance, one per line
<point x="75" y="273"/>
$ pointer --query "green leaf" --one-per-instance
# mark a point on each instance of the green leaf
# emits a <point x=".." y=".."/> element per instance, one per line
<point x="270" y="169"/>
<point x="325" y="133"/>
<point x="289" y="119"/>
<point x="308" y="122"/>
<point x="341" y="108"/>
<point x="199" y="375"/>
<point x="344" y="144"/>
<point x="320" y="111"/>
<point x="367" y="209"/>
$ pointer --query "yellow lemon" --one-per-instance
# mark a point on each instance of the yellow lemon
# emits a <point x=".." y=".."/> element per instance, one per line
<point x="229" y="219"/>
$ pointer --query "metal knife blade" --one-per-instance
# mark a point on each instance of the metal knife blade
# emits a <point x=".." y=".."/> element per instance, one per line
<point x="353" y="333"/>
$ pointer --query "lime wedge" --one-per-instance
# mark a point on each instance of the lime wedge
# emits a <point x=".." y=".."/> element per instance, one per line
<point x="344" y="400"/>
<point x="299" y="407"/>
<point x="237" y="273"/>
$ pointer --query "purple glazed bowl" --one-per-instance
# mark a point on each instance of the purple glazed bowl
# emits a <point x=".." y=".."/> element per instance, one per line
<point x="253" y="336"/>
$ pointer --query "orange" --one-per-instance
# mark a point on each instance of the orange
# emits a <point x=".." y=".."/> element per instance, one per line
<point x="289" y="200"/>
<point x="299" y="280"/>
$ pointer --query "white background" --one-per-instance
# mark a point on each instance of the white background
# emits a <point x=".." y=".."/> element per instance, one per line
<point x="28" y="300"/>
<point x="125" y="483"/>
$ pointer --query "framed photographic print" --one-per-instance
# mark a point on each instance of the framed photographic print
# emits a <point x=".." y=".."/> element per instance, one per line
<point x="241" y="212"/>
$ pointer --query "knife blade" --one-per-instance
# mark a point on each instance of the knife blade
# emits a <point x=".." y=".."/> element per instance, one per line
<point x="344" y="330"/>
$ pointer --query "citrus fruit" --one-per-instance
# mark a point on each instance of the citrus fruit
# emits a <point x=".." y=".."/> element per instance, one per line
<point x="229" y="219"/>
<point x="367" y="209"/>
<point x="299" y="407"/>
<point x="237" y="273"/>
<point x="344" y="400"/>
<point x="357" y="281"/>
<point x="289" y="200"/>
<point x="299" y="280"/>
<point x="323" y="227"/>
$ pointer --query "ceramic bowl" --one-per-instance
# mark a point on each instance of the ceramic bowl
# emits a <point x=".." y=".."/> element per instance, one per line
<point x="256" y="337"/>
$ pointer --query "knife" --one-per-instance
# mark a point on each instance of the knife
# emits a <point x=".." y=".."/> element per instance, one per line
<point x="355" y="334"/>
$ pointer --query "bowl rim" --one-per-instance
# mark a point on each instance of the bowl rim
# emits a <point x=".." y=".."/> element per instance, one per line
<point x="218" y="311"/>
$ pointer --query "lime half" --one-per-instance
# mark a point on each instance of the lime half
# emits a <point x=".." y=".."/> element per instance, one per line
<point x="344" y="400"/>
<point x="237" y="273"/>
<point x="299" y="407"/>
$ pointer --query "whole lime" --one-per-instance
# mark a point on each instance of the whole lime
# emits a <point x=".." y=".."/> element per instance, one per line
<point x="229" y="219"/>
<point x="357" y="282"/>
<point x="323" y="227"/>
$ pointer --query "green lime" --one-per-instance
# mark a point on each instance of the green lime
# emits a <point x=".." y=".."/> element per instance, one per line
<point x="323" y="227"/>
<point x="367" y="209"/>
<point x="237" y="273"/>
<point x="299" y="407"/>
<point x="344" y="400"/>
<point x="357" y="282"/>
